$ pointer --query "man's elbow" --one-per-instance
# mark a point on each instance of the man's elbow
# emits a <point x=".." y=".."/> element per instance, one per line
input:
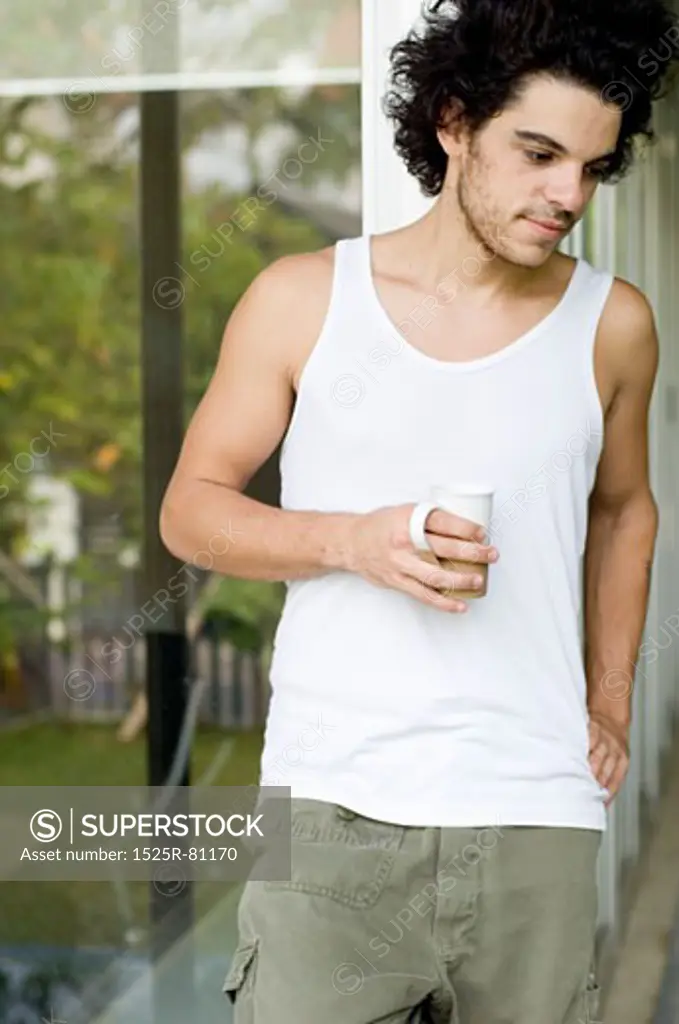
<point x="171" y="525"/>
<point x="643" y="509"/>
<point x="639" y="510"/>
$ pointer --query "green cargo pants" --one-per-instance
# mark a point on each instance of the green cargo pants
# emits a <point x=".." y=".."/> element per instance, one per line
<point x="391" y="924"/>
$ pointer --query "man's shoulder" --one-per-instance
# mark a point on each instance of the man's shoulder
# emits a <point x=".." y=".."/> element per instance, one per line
<point x="628" y="315"/>
<point x="627" y="332"/>
<point x="626" y="304"/>
<point x="297" y="273"/>
<point x="629" y="305"/>
<point x="291" y="297"/>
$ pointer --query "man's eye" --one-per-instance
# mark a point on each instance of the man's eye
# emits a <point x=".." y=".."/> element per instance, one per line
<point x="598" y="172"/>
<point x="537" y="157"/>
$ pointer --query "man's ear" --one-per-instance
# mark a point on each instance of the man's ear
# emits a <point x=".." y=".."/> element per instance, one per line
<point x="452" y="129"/>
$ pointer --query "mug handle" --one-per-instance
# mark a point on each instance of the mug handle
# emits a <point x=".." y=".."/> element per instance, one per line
<point x="418" y="520"/>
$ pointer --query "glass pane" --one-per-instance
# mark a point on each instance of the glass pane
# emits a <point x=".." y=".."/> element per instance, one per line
<point x="93" y="45"/>
<point x="72" y="670"/>
<point x="259" y="185"/>
<point x="71" y="448"/>
<point x="622" y="254"/>
<point x="589" y="231"/>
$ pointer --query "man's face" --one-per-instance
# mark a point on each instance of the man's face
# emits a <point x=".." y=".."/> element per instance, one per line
<point x="538" y="161"/>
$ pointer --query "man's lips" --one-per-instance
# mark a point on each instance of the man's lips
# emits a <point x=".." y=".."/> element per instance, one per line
<point x="549" y="225"/>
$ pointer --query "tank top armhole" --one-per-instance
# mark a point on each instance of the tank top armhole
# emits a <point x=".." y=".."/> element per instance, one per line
<point x="340" y="256"/>
<point x="595" y="405"/>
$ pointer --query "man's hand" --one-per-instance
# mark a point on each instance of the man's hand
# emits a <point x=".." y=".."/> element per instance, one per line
<point x="379" y="548"/>
<point x="608" y="751"/>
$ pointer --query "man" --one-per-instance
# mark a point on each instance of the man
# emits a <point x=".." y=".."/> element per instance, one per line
<point x="452" y="759"/>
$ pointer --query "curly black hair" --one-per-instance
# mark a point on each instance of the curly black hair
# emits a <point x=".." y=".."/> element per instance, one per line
<point x="479" y="52"/>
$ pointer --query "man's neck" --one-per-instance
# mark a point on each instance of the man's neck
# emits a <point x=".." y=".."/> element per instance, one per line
<point x="440" y="244"/>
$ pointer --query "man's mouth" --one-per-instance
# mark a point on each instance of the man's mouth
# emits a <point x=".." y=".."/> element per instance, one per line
<point x="550" y="226"/>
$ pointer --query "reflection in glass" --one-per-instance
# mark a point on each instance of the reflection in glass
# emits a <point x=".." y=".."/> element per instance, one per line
<point x="91" y="40"/>
<point x="266" y="172"/>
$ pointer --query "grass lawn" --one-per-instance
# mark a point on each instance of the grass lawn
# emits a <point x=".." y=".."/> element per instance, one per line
<point x="71" y="754"/>
<point x="78" y="914"/>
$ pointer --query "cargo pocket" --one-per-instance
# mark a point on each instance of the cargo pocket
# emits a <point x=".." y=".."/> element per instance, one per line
<point x="340" y="855"/>
<point x="241" y="971"/>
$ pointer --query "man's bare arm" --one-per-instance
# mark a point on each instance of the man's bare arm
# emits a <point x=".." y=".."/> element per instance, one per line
<point x="239" y="423"/>
<point x="623" y="512"/>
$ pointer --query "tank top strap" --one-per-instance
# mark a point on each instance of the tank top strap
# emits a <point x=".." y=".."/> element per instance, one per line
<point x="352" y="262"/>
<point x="593" y="291"/>
<point x="595" y="288"/>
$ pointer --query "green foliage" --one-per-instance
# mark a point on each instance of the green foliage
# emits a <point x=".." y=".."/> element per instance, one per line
<point x="70" y="382"/>
<point x="244" y="611"/>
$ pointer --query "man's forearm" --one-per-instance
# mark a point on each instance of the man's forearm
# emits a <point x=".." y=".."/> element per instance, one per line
<point x="618" y="561"/>
<point x="221" y="529"/>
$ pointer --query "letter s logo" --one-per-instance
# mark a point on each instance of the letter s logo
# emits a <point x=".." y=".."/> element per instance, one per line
<point x="46" y="826"/>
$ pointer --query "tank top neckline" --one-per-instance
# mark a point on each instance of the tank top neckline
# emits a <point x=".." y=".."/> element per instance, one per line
<point x="466" y="365"/>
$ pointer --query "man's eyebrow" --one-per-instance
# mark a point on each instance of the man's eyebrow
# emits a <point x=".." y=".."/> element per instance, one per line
<point x="546" y="140"/>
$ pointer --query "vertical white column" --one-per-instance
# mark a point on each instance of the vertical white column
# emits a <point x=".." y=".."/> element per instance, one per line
<point x="577" y="241"/>
<point x="391" y="197"/>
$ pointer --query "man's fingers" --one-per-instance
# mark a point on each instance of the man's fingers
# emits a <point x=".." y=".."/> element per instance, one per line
<point x="608" y="760"/>
<point x="450" y="525"/>
<point x="462" y="550"/>
<point x="617" y="780"/>
<point x="441" y="579"/>
<point x="608" y="769"/>
<point x="596" y="757"/>
<point x="445" y="602"/>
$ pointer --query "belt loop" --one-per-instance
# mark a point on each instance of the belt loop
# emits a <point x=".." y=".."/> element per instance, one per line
<point x="345" y="813"/>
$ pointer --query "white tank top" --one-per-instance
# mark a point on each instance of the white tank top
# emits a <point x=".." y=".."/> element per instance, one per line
<point x="395" y="709"/>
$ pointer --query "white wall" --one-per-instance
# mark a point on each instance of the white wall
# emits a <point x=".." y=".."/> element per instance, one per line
<point x="391" y="197"/>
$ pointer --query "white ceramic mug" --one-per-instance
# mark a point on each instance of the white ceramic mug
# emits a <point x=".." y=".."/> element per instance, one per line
<point x="473" y="502"/>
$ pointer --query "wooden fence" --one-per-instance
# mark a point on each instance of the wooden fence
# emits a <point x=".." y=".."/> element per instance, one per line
<point x="78" y="682"/>
<point x="99" y="669"/>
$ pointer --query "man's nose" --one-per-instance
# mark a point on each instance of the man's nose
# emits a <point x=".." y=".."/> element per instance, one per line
<point x="567" y="194"/>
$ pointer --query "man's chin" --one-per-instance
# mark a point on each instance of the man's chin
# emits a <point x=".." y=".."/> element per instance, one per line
<point x="521" y="254"/>
<point x="537" y="256"/>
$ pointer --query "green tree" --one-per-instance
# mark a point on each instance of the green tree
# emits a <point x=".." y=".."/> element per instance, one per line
<point x="71" y="301"/>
